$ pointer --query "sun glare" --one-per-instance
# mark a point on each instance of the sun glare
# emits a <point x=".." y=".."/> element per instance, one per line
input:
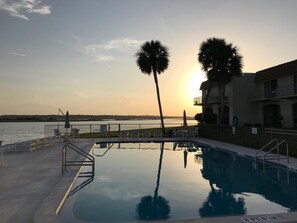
<point x="194" y="78"/>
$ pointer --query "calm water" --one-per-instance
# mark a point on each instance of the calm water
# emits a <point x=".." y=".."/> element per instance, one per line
<point x="137" y="182"/>
<point x="12" y="132"/>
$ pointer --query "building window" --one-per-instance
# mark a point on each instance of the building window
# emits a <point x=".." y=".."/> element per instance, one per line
<point x="270" y="89"/>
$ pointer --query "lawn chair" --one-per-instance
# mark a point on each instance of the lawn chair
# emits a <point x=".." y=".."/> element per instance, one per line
<point x="193" y="133"/>
<point x="158" y="134"/>
<point x="146" y="135"/>
<point x="57" y="133"/>
<point x="134" y="134"/>
<point x="123" y="134"/>
<point x="74" y="133"/>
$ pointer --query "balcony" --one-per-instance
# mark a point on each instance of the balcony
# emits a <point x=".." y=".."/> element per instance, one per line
<point x="281" y="92"/>
<point x="199" y="101"/>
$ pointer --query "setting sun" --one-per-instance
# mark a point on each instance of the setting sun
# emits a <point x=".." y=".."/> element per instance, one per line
<point x="194" y="78"/>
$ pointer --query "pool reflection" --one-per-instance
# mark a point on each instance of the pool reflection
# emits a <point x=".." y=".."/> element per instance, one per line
<point x="156" y="207"/>
<point x="234" y="175"/>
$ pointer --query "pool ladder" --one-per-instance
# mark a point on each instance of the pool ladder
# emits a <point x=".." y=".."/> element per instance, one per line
<point x="268" y="155"/>
<point x="88" y="160"/>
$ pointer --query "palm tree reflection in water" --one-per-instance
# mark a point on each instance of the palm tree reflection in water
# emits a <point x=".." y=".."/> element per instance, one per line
<point x="220" y="203"/>
<point x="156" y="207"/>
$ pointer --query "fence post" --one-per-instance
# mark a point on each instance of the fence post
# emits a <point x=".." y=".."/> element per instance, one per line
<point x="1" y="154"/>
<point x="119" y="128"/>
<point x="90" y="130"/>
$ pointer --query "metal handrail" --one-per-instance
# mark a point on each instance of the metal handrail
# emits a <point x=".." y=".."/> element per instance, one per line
<point x="103" y="128"/>
<point x="278" y="155"/>
<point x="264" y="147"/>
<point x="109" y="147"/>
<point x="88" y="161"/>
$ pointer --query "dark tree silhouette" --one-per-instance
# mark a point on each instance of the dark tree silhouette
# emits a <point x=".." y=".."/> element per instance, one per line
<point x="153" y="57"/>
<point x="221" y="203"/>
<point x="221" y="62"/>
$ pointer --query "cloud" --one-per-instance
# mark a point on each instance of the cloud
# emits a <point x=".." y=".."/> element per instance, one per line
<point x="19" y="54"/>
<point x="21" y="8"/>
<point x="115" y="44"/>
<point x="98" y="51"/>
<point x="80" y="94"/>
<point x="104" y="58"/>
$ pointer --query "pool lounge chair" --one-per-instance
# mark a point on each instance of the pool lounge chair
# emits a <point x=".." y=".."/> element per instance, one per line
<point x="134" y="134"/>
<point x="124" y="134"/>
<point x="193" y="133"/>
<point x="158" y="134"/>
<point x="146" y="135"/>
<point x="57" y="133"/>
<point x="74" y="133"/>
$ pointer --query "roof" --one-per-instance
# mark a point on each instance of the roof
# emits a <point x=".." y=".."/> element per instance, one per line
<point x="289" y="68"/>
<point x="204" y="85"/>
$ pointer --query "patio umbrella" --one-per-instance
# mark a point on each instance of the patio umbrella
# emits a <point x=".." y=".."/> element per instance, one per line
<point x="67" y="121"/>
<point x="67" y="125"/>
<point x="185" y="120"/>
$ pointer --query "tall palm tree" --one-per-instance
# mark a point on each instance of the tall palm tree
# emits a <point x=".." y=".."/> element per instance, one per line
<point x="221" y="62"/>
<point x="153" y="57"/>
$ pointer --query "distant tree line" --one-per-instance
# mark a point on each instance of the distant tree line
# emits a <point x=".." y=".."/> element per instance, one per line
<point x="55" y="118"/>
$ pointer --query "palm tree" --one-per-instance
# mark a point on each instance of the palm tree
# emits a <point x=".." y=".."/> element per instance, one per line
<point x="154" y="57"/>
<point x="221" y="62"/>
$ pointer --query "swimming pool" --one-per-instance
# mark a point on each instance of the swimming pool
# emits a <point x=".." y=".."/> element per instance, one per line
<point x="150" y="181"/>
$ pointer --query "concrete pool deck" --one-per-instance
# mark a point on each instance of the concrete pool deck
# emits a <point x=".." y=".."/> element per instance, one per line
<point x="32" y="186"/>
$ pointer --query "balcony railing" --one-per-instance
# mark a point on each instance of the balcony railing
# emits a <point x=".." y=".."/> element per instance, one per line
<point x="198" y="101"/>
<point x="282" y="92"/>
<point x="211" y="100"/>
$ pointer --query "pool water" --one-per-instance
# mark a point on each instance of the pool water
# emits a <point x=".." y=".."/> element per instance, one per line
<point x="153" y="181"/>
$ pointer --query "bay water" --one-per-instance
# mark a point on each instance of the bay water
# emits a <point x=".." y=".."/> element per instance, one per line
<point x="14" y="132"/>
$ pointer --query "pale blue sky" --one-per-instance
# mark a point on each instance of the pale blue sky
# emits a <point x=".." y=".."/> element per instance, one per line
<point x="78" y="55"/>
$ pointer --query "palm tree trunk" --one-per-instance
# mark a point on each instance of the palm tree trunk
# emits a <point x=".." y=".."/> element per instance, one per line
<point x="159" y="102"/>
<point x="159" y="171"/>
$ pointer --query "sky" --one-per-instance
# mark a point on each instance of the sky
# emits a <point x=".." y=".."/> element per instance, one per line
<point x="79" y="55"/>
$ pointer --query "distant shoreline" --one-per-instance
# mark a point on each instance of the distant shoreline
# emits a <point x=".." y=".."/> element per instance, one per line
<point x="56" y="118"/>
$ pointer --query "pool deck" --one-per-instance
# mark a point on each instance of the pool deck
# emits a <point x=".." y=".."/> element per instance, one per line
<point x="32" y="185"/>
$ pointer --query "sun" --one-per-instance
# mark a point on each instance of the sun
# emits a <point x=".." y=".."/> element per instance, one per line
<point x="194" y="78"/>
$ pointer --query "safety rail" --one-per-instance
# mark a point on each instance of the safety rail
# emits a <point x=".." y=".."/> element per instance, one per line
<point x="101" y="155"/>
<point x="88" y="160"/>
<point x="264" y="147"/>
<point x="277" y="156"/>
<point x="103" y="129"/>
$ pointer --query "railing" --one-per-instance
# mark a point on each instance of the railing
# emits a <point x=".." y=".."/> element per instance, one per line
<point x="268" y="155"/>
<point x="107" y="149"/>
<point x="198" y="100"/>
<point x="211" y="100"/>
<point x="282" y="91"/>
<point x="277" y="156"/>
<point x="264" y="147"/>
<point x="89" y="128"/>
<point x="88" y="160"/>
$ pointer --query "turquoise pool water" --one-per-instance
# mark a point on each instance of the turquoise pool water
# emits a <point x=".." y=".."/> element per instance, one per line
<point x="137" y="181"/>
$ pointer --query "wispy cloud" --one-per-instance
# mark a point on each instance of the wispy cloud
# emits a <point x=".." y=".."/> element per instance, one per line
<point x="115" y="44"/>
<point x="18" y="54"/>
<point x="80" y="94"/>
<point x="21" y="8"/>
<point x="104" y="58"/>
<point x="99" y="51"/>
